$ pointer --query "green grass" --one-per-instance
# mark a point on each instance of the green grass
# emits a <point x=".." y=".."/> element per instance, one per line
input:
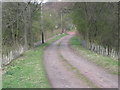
<point x="28" y="70"/>
<point x="107" y="63"/>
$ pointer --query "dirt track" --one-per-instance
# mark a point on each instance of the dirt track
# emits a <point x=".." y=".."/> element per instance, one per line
<point x="65" y="69"/>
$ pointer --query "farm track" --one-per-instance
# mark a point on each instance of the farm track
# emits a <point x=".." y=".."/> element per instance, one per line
<point x="65" y="69"/>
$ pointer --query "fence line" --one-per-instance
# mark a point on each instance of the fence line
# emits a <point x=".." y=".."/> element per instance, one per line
<point x="99" y="49"/>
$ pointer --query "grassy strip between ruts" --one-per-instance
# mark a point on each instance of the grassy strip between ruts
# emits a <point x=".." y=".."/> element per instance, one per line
<point x="28" y="70"/>
<point x="106" y="62"/>
<point x="77" y="73"/>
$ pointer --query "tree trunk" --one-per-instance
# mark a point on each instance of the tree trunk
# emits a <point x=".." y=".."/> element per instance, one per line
<point x="25" y="30"/>
<point x="30" y="27"/>
<point x="108" y="51"/>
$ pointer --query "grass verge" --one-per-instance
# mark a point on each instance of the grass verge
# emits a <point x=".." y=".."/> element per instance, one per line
<point x="28" y="70"/>
<point x="107" y="63"/>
